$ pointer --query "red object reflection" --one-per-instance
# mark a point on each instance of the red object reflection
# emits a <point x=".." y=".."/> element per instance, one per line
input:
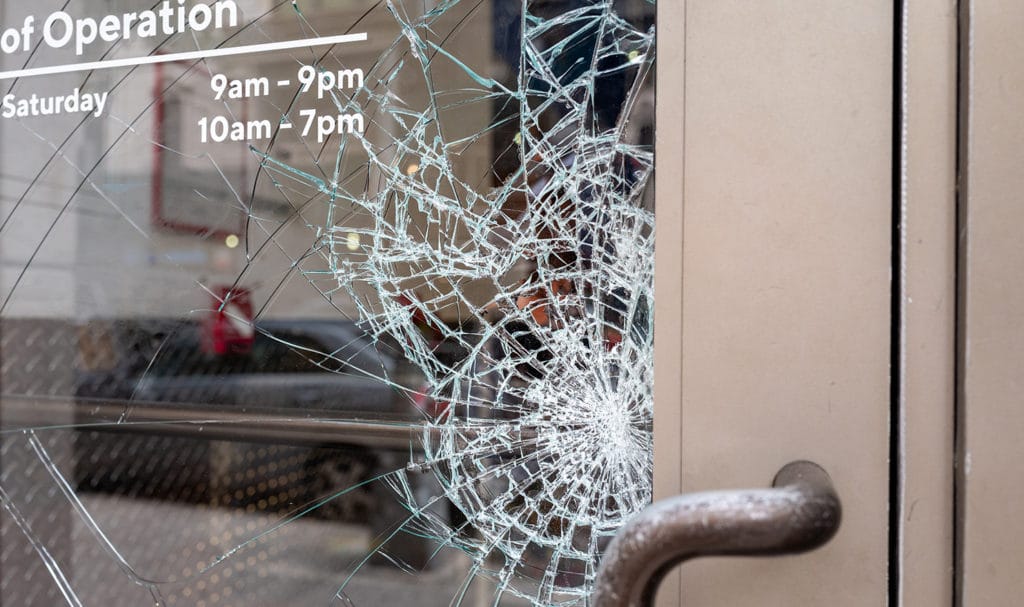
<point x="229" y="328"/>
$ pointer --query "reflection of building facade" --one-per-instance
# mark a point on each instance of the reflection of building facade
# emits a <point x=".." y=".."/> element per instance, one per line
<point x="174" y="211"/>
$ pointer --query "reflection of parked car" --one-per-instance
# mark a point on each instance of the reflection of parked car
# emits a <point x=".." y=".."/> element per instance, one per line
<point x="306" y="365"/>
<point x="152" y="370"/>
<point x="298" y="368"/>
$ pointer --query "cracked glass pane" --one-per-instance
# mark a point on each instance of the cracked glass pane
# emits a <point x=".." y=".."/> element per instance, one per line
<point x="323" y="302"/>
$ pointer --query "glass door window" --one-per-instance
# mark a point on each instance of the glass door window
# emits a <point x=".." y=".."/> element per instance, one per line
<point x="323" y="302"/>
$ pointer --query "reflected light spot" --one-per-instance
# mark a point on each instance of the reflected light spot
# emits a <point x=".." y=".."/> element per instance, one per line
<point x="353" y="241"/>
<point x="231" y="241"/>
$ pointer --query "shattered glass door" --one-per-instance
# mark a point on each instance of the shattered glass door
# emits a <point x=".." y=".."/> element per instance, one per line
<point x="323" y="302"/>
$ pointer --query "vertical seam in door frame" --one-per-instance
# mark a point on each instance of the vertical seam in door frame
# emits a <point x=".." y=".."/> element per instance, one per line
<point x="965" y="43"/>
<point x="897" y="354"/>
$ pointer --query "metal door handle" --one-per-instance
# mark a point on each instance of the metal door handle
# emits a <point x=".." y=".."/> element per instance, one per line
<point x="801" y="512"/>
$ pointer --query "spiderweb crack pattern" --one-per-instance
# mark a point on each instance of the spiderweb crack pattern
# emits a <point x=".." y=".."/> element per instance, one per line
<point x="545" y="443"/>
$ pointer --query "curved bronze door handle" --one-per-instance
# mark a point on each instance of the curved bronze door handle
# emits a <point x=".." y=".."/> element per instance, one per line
<point x="800" y="512"/>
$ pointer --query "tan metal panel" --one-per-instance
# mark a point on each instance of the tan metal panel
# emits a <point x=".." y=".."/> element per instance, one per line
<point x="927" y="357"/>
<point x="992" y="316"/>
<point x="786" y="275"/>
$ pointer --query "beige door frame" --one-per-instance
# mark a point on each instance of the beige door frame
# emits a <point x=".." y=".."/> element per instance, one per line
<point x="991" y="271"/>
<point x="927" y="356"/>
